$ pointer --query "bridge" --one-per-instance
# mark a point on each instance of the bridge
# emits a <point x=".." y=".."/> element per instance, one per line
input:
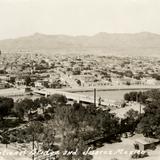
<point x="12" y="92"/>
<point x="76" y="97"/>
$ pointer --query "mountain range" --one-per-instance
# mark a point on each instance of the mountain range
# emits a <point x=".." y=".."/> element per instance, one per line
<point x="137" y="44"/>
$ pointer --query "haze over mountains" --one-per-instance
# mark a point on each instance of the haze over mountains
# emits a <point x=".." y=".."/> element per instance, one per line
<point x="138" y="44"/>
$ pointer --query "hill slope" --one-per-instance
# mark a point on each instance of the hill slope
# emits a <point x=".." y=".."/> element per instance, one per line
<point x="144" y="44"/>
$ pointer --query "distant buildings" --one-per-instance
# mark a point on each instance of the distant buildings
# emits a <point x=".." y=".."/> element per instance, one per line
<point x="79" y="71"/>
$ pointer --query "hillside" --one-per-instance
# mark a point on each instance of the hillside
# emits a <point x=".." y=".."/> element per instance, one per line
<point x="143" y="44"/>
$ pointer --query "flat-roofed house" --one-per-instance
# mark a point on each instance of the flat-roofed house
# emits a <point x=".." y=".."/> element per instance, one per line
<point x="146" y="143"/>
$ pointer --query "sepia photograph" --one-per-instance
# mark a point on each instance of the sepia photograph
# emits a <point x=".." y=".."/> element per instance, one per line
<point x="79" y="79"/>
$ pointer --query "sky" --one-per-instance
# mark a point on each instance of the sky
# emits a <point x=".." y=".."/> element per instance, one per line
<point x="78" y="17"/>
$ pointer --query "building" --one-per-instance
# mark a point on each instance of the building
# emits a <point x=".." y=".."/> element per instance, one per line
<point x="149" y="81"/>
<point x="146" y="143"/>
<point x="39" y="84"/>
<point x="2" y="85"/>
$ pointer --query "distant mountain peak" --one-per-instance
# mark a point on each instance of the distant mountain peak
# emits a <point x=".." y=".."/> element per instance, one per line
<point x="102" y="34"/>
<point x="38" y="34"/>
<point x="147" y="33"/>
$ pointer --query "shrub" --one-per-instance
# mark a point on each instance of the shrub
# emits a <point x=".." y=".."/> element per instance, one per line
<point x="13" y="139"/>
<point x="139" y="154"/>
<point x="153" y="147"/>
<point x="40" y="118"/>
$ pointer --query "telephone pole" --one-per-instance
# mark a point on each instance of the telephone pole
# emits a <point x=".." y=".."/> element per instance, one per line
<point x="94" y="97"/>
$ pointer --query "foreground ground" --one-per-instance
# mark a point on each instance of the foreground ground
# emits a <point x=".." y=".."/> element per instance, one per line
<point x="12" y="152"/>
<point x="122" y="150"/>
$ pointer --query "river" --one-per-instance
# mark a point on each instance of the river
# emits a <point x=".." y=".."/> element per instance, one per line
<point x="117" y="95"/>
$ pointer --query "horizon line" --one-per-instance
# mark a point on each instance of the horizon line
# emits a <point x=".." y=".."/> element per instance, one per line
<point x="77" y="35"/>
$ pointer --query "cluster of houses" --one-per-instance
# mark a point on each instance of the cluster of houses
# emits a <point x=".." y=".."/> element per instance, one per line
<point x="77" y="71"/>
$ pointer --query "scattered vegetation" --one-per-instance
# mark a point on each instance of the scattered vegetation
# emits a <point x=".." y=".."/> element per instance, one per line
<point x="49" y="123"/>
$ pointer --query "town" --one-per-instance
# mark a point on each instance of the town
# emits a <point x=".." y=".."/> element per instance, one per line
<point x="76" y="71"/>
<point x="79" y="80"/>
<point x="42" y="101"/>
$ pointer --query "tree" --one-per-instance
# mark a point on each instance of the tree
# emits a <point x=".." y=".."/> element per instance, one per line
<point x="132" y="96"/>
<point x="76" y="72"/>
<point x="127" y="97"/>
<point x="149" y="124"/>
<point x="41" y="102"/>
<point x="156" y="76"/>
<point x="78" y="82"/>
<point x="131" y="120"/>
<point x="57" y="99"/>
<point x="128" y="73"/>
<point x="34" y="130"/>
<point x="5" y="139"/>
<point x="19" y="110"/>
<point x="49" y="133"/>
<point x="12" y="80"/>
<point x="132" y="114"/>
<point x="80" y="125"/>
<point x="27" y="80"/>
<point x="6" y="105"/>
<point x="69" y="120"/>
<point x="138" y="96"/>
<point x="28" y="105"/>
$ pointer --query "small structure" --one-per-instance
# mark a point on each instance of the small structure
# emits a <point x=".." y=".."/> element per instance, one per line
<point x="146" y="143"/>
<point x="2" y="86"/>
<point x="28" y="89"/>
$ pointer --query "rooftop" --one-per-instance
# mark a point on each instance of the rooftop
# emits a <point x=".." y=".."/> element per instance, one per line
<point x="146" y="140"/>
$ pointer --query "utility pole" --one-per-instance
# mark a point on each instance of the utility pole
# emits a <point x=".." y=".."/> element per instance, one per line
<point x="140" y="107"/>
<point x="33" y="147"/>
<point x="94" y="97"/>
<point x="138" y="99"/>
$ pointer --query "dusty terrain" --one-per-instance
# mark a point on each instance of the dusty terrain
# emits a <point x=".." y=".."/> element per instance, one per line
<point x="122" y="150"/>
